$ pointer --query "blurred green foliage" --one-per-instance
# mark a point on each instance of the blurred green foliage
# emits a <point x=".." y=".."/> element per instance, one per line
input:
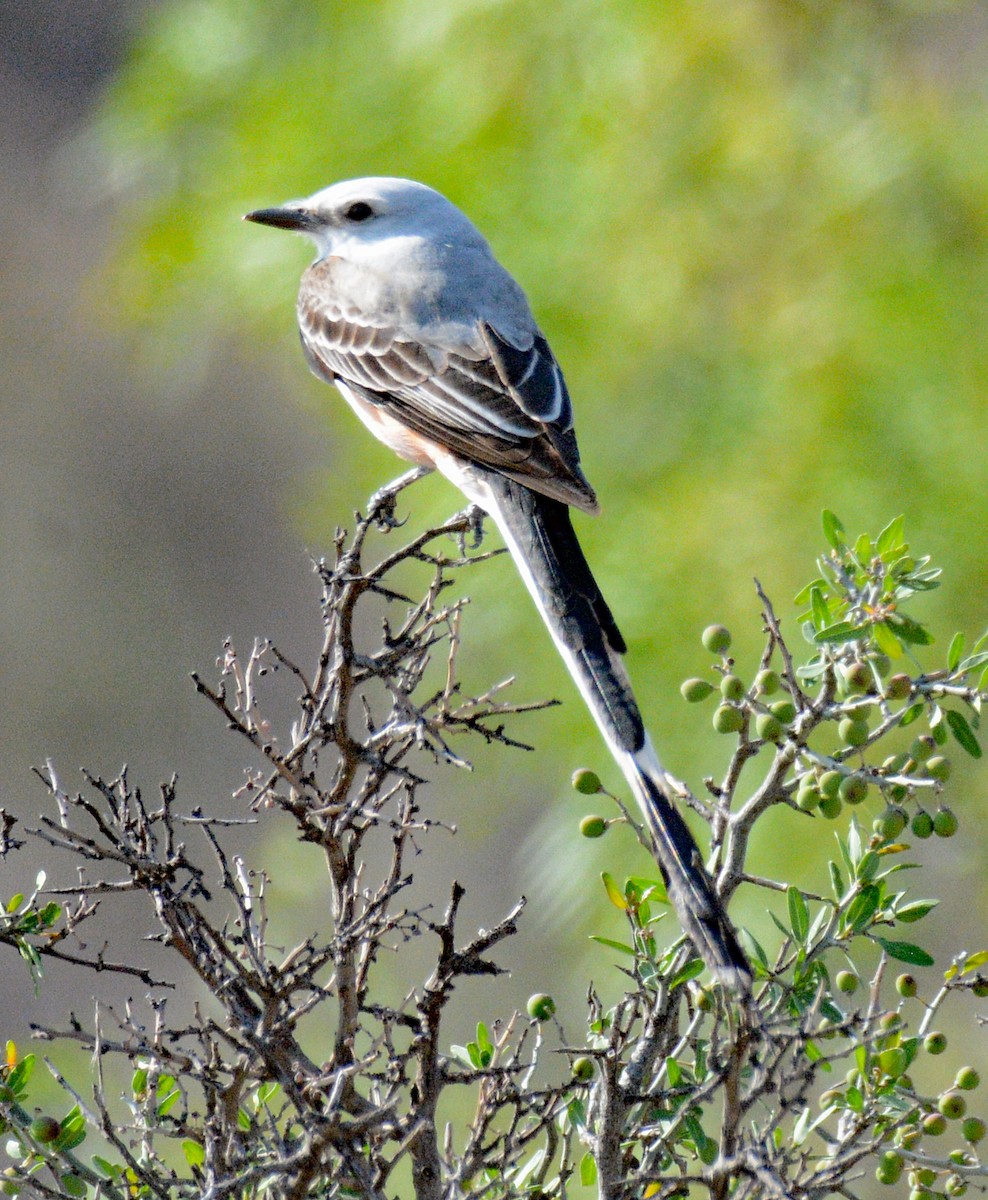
<point x="754" y="232"/>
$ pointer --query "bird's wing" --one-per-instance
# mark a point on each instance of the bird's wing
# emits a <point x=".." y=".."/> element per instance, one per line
<point x="483" y="398"/>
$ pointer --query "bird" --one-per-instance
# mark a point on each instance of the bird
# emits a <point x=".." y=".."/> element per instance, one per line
<point x="433" y="344"/>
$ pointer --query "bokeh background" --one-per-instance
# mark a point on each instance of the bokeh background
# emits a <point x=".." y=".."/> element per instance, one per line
<point x="756" y="234"/>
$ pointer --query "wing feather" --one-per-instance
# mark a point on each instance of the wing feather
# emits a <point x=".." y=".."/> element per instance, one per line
<point x="487" y="400"/>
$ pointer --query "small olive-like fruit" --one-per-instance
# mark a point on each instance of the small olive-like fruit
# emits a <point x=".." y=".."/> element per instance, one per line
<point x="808" y="798"/>
<point x="695" y="690"/>
<point x="583" y="1068"/>
<point x="716" y="639"/>
<point x="593" y="826"/>
<point x="541" y="1006"/>
<point x="853" y="789"/>
<point x="980" y="987"/>
<point x="767" y="682"/>
<point x="945" y="823"/>
<point x="45" y="1129"/>
<point x="952" y="1105"/>
<point x="858" y="677"/>
<point x="921" y="824"/>
<point x="830" y="807"/>
<point x="967" y="1079"/>
<point x="728" y="719"/>
<point x="889" y="1168"/>
<point x="906" y="985"/>
<point x="830" y="782"/>
<point x="768" y="727"/>
<point x="890" y="823"/>
<point x="935" y="1043"/>
<point x="939" y="768"/>
<point x="732" y="688"/>
<point x="586" y="782"/>
<point x="853" y="731"/>
<point x="785" y="710"/>
<point x="934" y="1124"/>
<point x="898" y="687"/>
<point x="973" y="1129"/>
<point x="847" y="982"/>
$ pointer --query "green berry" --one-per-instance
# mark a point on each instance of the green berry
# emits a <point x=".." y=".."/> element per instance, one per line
<point x="922" y="747"/>
<point x="853" y="789"/>
<point x="922" y="824"/>
<point x="541" y="1006"/>
<point x="593" y="827"/>
<point x="858" y="677"/>
<point x="934" y="1124"/>
<point x="704" y="999"/>
<point x="45" y="1129"/>
<point x="935" y="1043"/>
<point x="728" y="719"/>
<point x="893" y="1061"/>
<point x="767" y="682"/>
<point x="898" y="687"/>
<point x="732" y="688"/>
<point x="889" y="1167"/>
<point x="955" y="1186"/>
<point x="716" y="639"/>
<point x="897" y="792"/>
<point x="881" y="663"/>
<point x="980" y="987"/>
<point x="967" y="1079"/>
<point x="926" y="1177"/>
<point x="853" y="731"/>
<point x="808" y="798"/>
<point x="768" y="727"/>
<point x="830" y="807"/>
<point x="847" y="982"/>
<point x="695" y="690"/>
<point x="939" y="768"/>
<point x="890" y="824"/>
<point x="586" y="782"/>
<point x="952" y="1105"/>
<point x="890" y="1020"/>
<point x="784" y="710"/>
<point x="830" y="782"/>
<point x="906" y="986"/>
<point x="973" y="1129"/>
<point x="831" y="1098"/>
<point x="583" y="1068"/>
<point x="944" y="822"/>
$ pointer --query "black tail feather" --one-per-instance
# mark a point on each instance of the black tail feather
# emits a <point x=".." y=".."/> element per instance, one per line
<point x="540" y="534"/>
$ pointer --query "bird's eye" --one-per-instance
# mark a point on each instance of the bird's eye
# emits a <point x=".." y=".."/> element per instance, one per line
<point x="360" y="210"/>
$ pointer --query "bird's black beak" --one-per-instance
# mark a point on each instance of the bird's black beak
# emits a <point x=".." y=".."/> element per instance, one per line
<point x="300" y="220"/>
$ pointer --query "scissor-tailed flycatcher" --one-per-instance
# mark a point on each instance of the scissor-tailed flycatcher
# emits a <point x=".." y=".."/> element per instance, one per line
<point x="435" y="348"/>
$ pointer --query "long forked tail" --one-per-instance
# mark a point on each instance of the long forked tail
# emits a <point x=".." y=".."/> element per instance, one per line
<point x="540" y="536"/>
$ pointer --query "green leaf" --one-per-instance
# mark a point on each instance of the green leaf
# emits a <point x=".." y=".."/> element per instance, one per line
<point x="908" y="630"/>
<point x="802" y="597"/>
<point x="674" y="1072"/>
<point x="622" y="946"/>
<point x="971" y="963"/>
<point x="799" y="915"/>
<point x="588" y="1171"/>
<point x="690" y="971"/>
<point x="962" y="731"/>
<point x="18" y="1077"/>
<point x="833" y="530"/>
<point x="72" y="1185"/>
<point x="614" y="893"/>
<point x="836" y="880"/>
<point x="954" y="651"/>
<point x="15" y="901"/>
<point x="843" y="631"/>
<point x="195" y="1155"/>
<point x="821" y="612"/>
<point x="890" y="539"/>
<point x="912" y="713"/>
<point x="886" y="641"/>
<point x="915" y="911"/>
<point x="905" y="952"/>
<point x="104" y="1167"/>
<point x="863" y="907"/>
